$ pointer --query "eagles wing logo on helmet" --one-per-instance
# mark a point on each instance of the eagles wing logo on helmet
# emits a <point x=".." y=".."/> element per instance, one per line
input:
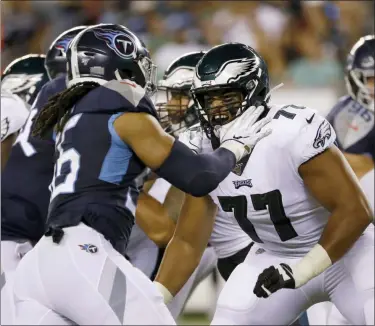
<point x="237" y="69"/>
<point x="324" y="132"/>
<point x="62" y="45"/>
<point x="16" y="83"/>
<point x="122" y="44"/>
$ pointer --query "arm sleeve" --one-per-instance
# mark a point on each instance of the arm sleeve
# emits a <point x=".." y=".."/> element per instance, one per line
<point x="194" y="174"/>
<point x="14" y="114"/>
<point x="313" y="138"/>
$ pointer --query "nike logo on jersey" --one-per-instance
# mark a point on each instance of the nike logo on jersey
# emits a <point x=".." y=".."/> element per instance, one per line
<point x="311" y="119"/>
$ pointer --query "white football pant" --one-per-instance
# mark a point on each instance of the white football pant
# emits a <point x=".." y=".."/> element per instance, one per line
<point x="349" y="284"/>
<point x="11" y="254"/>
<point x="83" y="280"/>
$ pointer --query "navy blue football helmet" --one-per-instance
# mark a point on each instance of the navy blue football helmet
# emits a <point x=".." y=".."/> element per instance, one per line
<point x="25" y="77"/>
<point x="360" y="69"/>
<point x="107" y="52"/>
<point x="56" y="54"/>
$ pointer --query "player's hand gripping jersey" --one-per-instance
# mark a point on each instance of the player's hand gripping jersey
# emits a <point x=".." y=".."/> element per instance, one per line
<point x="354" y="126"/>
<point x="14" y="113"/>
<point x="269" y="200"/>
<point x="24" y="195"/>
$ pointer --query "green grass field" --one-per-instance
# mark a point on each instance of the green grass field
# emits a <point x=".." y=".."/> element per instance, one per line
<point x="194" y="319"/>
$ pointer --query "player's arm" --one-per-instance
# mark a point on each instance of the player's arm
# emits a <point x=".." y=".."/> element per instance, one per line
<point x="158" y="208"/>
<point x="330" y="179"/>
<point x="184" y="251"/>
<point x="361" y="164"/>
<point x="332" y="182"/>
<point x="171" y="159"/>
<point x="153" y="218"/>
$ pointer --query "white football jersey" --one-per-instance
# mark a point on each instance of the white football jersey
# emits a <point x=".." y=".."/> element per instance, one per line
<point x="14" y="113"/>
<point x="227" y="237"/>
<point x="269" y="199"/>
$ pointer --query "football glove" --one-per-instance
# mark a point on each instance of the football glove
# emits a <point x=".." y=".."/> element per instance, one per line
<point x="242" y="134"/>
<point x="273" y="279"/>
<point x="192" y="139"/>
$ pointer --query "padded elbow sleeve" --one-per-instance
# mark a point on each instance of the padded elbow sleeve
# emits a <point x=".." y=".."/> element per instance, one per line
<point x="194" y="174"/>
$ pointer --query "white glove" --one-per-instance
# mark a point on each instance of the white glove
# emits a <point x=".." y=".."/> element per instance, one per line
<point x="192" y="139"/>
<point x="242" y="134"/>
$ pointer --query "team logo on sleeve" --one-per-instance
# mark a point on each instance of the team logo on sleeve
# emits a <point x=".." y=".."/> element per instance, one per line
<point x="4" y="128"/>
<point x="324" y="133"/>
<point x="90" y="248"/>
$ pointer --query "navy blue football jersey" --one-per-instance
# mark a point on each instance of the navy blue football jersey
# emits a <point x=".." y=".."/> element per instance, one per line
<point x="354" y="126"/>
<point x="96" y="173"/>
<point x="27" y="175"/>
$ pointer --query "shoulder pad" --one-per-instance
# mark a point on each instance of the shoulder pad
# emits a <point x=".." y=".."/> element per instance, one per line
<point x="116" y="97"/>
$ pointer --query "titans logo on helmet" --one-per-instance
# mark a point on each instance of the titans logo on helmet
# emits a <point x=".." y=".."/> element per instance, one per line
<point x="122" y="44"/>
<point x="63" y="44"/>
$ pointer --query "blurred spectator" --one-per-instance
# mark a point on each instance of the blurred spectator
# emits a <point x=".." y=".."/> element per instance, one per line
<point x="305" y="43"/>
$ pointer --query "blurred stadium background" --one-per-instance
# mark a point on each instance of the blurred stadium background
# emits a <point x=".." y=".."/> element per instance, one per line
<point x="305" y="44"/>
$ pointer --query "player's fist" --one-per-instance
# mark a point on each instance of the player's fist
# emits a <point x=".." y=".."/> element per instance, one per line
<point x="272" y="279"/>
<point x="242" y="134"/>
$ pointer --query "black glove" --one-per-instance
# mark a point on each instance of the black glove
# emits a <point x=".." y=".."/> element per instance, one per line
<point x="272" y="279"/>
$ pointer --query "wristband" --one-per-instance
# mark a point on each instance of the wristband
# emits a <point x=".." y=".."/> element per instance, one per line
<point x="235" y="147"/>
<point x="313" y="264"/>
<point x="164" y="292"/>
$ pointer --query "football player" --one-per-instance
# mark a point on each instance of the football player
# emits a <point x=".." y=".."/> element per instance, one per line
<point x="26" y="177"/>
<point x="20" y="82"/>
<point x="107" y="131"/>
<point x="353" y="120"/>
<point x="159" y="205"/>
<point x="353" y="116"/>
<point x="294" y="194"/>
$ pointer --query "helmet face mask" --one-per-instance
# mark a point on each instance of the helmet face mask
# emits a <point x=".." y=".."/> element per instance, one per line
<point x="360" y="74"/>
<point x="360" y="85"/>
<point x="174" y="102"/>
<point x="219" y="105"/>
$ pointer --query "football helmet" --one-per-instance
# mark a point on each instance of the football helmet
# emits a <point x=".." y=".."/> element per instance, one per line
<point x="360" y="68"/>
<point x="25" y="77"/>
<point x="106" y="52"/>
<point x="228" y="79"/>
<point x="56" y="54"/>
<point x="174" y="103"/>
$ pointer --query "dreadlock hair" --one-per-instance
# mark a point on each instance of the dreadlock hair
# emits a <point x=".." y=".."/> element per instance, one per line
<point x="56" y="111"/>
